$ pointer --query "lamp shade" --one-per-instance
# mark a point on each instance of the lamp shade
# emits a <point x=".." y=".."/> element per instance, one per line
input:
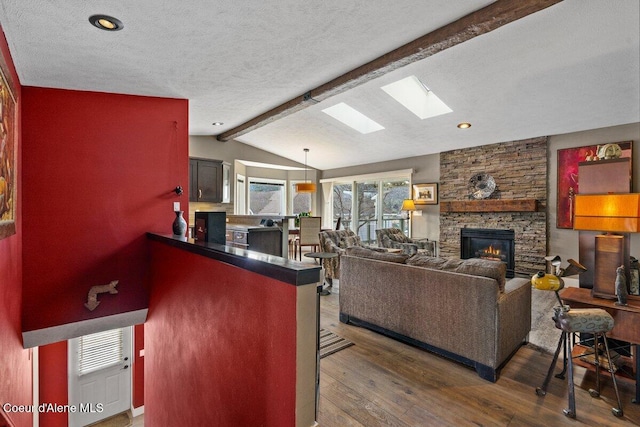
<point x="305" y="187"/>
<point x="408" y="205"/>
<point x="618" y="213"/>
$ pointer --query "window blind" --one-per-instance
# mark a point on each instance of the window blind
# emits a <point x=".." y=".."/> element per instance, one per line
<point x="100" y="350"/>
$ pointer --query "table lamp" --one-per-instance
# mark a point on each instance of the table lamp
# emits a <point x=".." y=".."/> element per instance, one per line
<point x="408" y="206"/>
<point x="609" y="213"/>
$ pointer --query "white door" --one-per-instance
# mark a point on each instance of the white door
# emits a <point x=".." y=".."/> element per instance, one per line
<point x="99" y="377"/>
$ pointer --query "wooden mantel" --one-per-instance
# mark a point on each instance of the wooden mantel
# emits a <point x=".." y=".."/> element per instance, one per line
<point x="491" y="205"/>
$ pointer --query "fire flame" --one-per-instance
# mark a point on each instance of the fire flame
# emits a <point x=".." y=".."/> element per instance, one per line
<point x="491" y="251"/>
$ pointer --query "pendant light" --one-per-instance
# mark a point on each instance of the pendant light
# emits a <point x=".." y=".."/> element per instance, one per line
<point x="305" y="187"/>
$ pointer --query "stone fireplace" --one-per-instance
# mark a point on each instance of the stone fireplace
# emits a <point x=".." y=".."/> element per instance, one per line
<point x="519" y="169"/>
<point x="486" y="243"/>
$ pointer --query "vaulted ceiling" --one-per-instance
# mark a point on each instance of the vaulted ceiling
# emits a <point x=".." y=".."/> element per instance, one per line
<point x="549" y="69"/>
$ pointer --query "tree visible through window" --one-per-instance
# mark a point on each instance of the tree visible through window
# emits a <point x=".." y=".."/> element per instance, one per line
<point x="377" y="205"/>
<point x="342" y="198"/>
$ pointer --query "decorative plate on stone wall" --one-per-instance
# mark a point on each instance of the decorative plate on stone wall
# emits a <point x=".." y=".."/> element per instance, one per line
<point x="481" y="185"/>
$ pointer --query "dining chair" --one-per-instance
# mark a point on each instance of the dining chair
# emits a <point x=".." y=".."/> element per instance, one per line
<point x="309" y="233"/>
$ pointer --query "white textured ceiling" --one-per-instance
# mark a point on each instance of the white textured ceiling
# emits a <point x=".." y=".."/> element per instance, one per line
<point x="574" y="66"/>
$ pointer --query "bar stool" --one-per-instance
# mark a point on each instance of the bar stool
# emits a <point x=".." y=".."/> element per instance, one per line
<point x="594" y="321"/>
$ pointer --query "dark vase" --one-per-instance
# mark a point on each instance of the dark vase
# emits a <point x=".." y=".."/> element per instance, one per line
<point x="179" y="225"/>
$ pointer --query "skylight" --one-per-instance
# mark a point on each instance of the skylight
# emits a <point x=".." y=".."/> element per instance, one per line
<point x="353" y="118"/>
<point x="416" y="97"/>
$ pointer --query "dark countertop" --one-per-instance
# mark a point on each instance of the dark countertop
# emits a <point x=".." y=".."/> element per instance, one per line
<point x="243" y="227"/>
<point x="285" y="270"/>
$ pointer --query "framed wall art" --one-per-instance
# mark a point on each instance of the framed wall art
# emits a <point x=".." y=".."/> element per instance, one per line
<point x="425" y="194"/>
<point x="568" y="161"/>
<point x="8" y="158"/>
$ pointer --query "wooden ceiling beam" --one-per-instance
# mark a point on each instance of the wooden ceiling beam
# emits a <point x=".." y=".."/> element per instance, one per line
<point x="477" y="23"/>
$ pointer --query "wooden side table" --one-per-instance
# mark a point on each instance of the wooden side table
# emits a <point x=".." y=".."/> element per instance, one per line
<point x="626" y="326"/>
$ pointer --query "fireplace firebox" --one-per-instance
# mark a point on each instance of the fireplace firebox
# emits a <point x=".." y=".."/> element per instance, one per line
<point x="489" y="244"/>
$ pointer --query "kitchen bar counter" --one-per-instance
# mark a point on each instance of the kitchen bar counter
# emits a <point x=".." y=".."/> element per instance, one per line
<point x="211" y="304"/>
<point x="284" y="270"/>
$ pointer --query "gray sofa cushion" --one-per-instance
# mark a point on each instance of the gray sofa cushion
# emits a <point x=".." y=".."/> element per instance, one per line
<point x="474" y="266"/>
<point x="382" y="256"/>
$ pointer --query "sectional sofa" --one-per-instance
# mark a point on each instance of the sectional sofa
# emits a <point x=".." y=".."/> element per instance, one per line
<point x="464" y="310"/>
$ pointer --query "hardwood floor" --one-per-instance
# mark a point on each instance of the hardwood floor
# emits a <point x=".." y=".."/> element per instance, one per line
<point x="381" y="382"/>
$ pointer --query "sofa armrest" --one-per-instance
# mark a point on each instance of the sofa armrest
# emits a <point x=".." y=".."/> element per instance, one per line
<point x="407" y="248"/>
<point x="426" y="246"/>
<point x="330" y="246"/>
<point x="375" y="248"/>
<point x="514" y="315"/>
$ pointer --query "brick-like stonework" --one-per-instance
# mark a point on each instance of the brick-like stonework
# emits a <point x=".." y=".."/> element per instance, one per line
<point x="519" y="169"/>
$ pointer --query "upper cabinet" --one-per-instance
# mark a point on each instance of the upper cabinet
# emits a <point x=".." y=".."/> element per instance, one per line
<point x="209" y="181"/>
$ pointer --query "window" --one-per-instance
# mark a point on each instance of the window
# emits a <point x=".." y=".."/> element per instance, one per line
<point x="342" y="198"/>
<point x="377" y="202"/>
<point x="367" y="206"/>
<point x="266" y="197"/>
<point x="300" y="202"/>
<point x="100" y="350"/>
<point x="240" y="195"/>
<point x="393" y="194"/>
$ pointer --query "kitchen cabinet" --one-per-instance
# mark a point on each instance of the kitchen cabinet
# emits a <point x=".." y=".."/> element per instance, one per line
<point x="209" y="181"/>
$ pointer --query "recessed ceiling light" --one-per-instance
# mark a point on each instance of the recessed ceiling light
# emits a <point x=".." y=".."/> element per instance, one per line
<point x="464" y="125"/>
<point x="105" y="22"/>
<point x="217" y="123"/>
<point x="353" y="118"/>
<point x="417" y="98"/>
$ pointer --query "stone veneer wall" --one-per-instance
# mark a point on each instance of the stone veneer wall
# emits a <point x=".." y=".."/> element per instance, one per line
<point x="519" y="169"/>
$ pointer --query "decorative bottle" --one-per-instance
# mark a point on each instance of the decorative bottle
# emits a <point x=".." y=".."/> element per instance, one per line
<point x="179" y="225"/>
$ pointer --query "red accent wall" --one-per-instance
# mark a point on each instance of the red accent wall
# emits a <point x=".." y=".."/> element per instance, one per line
<point x="99" y="172"/>
<point x="15" y="362"/>
<point x="220" y="344"/>
<point x="53" y="382"/>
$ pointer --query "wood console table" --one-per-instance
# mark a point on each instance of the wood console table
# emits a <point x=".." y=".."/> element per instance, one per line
<point x="626" y="322"/>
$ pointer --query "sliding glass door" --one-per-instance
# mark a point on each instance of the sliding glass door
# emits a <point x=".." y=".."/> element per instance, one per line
<point x="393" y="193"/>
<point x="342" y="200"/>
<point x="376" y="205"/>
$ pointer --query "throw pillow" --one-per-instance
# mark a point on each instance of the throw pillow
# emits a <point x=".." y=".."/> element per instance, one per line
<point x="474" y="266"/>
<point x="422" y="260"/>
<point x="381" y="256"/>
<point x="401" y="238"/>
<point x="348" y="241"/>
<point x="485" y="267"/>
